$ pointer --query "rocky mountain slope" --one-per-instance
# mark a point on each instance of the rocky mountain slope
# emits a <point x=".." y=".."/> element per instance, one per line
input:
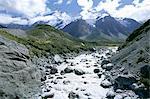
<point x="132" y="61"/>
<point x="106" y="28"/>
<point x="19" y="77"/>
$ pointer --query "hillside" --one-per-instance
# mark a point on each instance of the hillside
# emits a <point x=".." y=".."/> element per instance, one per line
<point x="133" y="59"/>
<point x="42" y="39"/>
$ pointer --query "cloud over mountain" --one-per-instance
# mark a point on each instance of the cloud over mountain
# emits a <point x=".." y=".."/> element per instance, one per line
<point x="27" y="11"/>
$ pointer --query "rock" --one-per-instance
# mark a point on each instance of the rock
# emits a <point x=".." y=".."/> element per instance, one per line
<point x="48" y="95"/>
<point x="68" y="70"/>
<point x="110" y="94"/>
<point x="59" y="78"/>
<point x="145" y="71"/>
<point x="124" y="82"/>
<point x="53" y="70"/>
<point x="66" y="82"/>
<point x="99" y="75"/>
<point x="106" y="84"/>
<point x="136" y="86"/>
<point x="105" y="62"/>
<point x="118" y="97"/>
<point x="108" y="66"/>
<point x="43" y="78"/>
<point x="19" y="77"/>
<point x="58" y="59"/>
<point x="78" y="72"/>
<point x="93" y="49"/>
<point x="73" y="95"/>
<point x="119" y="91"/>
<point x="96" y="70"/>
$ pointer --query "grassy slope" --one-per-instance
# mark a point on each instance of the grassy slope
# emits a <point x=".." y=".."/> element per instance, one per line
<point x="44" y="38"/>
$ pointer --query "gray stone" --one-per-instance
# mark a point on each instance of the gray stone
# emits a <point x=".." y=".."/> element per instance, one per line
<point x="53" y="70"/>
<point x="79" y="72"/>
<point x="73" y="95"/>
<point x="19" y="77"/>
<point x="68" y="70"/>
<point x="105" y="62"/>
<point x="124" y="81"/>
<point x="106" y="84"/>
<point x="108" y="66"/>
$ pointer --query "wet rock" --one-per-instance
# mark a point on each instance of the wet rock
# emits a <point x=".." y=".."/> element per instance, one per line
<point x="48" y="95"/>
<point x="124" y="82"/>
<point x="99" y="75"/>
<point x="93" y="49"/>
<point x="105" y="62"/>
<point x="59" y="78"/>
<point x="68" y="70"/>
<point x="78" y="72"/>
<point x="107" y="67"/>
<point x="73" y="95"/>
<point x="106" y="84"/>
<point x="96" y="70"/>
<point x="53" y="70"/>
<point x="66" y="82"/>
<point x="119" y="91"/>
<point x="43" y="78"/>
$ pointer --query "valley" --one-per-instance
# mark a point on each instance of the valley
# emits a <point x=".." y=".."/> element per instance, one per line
<point x="43" y="62"/>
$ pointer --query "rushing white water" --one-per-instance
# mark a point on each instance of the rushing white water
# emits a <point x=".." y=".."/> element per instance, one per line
<point x="87" y="86"/>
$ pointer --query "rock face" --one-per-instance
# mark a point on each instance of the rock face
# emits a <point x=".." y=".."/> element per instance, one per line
<point x="133" y="59"/>
<point x="19" y="78"/>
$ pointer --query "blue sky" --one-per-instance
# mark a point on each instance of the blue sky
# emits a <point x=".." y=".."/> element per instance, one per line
<point x="29" y="11"/>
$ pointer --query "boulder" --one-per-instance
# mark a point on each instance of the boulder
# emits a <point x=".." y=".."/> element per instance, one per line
<point x="73" y="95"/>
<point x="108" y="66"/>
<point x="78" y="72"/>
<point x="53" y="70"/>
<point x="145" y="71"/>
<point x="48" y="96"/>
<point x="105" y="62"/>
<point x="124" y="82"/>
<point x="19" y="77"/>
<point x="68" y="70"/>
<point x="106" y="84"/>
<point x="96" y="70"/>
<point x="93" y="49"/>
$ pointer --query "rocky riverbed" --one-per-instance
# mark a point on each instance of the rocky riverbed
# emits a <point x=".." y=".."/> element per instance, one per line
<point x="83" y="76"/>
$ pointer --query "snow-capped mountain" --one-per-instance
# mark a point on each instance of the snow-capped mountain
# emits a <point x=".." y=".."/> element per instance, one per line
<point x="129" y="23"/>
<point x="106" y="25"/>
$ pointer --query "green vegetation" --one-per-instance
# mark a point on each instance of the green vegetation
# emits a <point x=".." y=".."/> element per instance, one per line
<point x="43" y="39"/>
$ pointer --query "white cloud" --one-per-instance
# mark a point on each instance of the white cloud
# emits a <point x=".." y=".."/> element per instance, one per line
<point x="6" y="19"/>
<point x="137" y="10"/>
<point x="87" y="10"/>
<point x="53" y="19"/>
<point x="28" y="8"/>
<point x="59" y="2"/>
<point x="85" y="4"/>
